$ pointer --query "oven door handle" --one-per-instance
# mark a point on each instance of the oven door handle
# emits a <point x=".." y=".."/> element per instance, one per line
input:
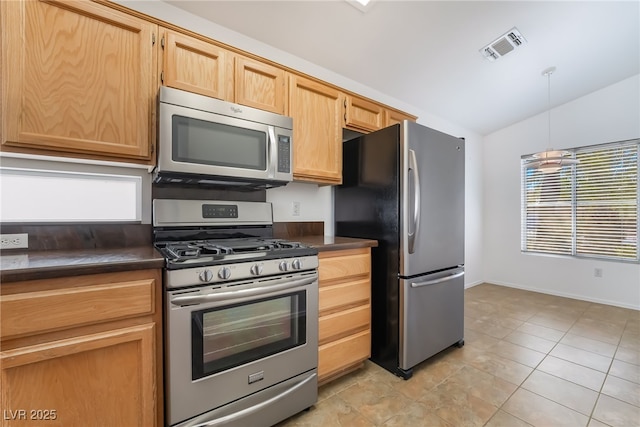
<point x="278" y="285"/>
<point x="248" y="411"/>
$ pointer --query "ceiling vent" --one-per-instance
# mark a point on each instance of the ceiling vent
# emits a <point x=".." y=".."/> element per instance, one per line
<point x="503" y="45"/>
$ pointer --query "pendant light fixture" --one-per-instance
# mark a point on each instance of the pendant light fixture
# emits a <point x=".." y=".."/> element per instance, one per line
<point x="550" y="160"/>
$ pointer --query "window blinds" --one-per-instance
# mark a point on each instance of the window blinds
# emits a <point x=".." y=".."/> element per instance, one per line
<point x="587" y="210"/>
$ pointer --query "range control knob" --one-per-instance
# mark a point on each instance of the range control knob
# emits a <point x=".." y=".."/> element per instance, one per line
<point x="296" y="264"/>
<point x="256" y="269"/>
<point x="206" y="275"/>
<point x="284" y="266"/>
<point x="224" y="273"/>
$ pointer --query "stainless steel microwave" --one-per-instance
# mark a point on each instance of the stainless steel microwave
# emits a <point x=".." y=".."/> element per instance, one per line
<point x="209" y="141"/>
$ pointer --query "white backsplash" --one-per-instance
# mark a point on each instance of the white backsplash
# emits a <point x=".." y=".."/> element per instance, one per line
<point x="312" y="203"/>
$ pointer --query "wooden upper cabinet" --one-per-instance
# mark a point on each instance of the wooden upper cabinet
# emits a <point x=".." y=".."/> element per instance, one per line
<point x="196" y="66"/>
<point x="259" y="85"/>
<point x="363" y="115"/>
<point x="392" y="117"/>
<point x="77" y="77"/>
<point x="316" y="110"/>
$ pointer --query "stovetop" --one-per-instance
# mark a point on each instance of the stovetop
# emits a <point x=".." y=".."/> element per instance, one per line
<point x="210" y="252"/>
<point x="215" y="241"/>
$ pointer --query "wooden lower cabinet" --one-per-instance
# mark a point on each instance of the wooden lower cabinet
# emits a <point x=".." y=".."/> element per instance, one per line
<point x="345" y="312"/>
<point x="73" y="369"/>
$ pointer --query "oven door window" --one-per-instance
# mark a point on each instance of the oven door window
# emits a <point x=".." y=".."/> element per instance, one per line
<point x="210" y="143"/>
<point x="228" y="336"/>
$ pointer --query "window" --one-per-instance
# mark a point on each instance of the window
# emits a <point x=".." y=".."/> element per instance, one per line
<point x="54" y="190"/>
<point x="586" y="210"/>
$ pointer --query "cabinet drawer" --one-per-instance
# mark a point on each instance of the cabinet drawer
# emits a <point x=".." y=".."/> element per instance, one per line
<point x="344" y="264"/>
<point x="344" y="295"/>
<point x="34" y="312"/>
<point x="337" y="325"/>
<point x="337" y="355"/>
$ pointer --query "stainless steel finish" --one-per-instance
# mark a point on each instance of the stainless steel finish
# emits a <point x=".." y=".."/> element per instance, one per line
<point x="436" y="281"/>
<point x="413" y="166"/>
<point x="272" y="153"/>
<point x="272" y="405"/>
<point x="186" y="397"/>
<point x="177" y="102"/>
<point x="185" y="213"/>
<point x="238" y="291"/>
<point x="182" y="98"/>
<point x="439" y="240"/>
<point x="236" y="271"/>
<point x="431" y="317"/>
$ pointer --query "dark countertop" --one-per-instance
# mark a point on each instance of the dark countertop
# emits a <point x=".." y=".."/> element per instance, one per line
<point x="334" y="243"/>
<point x="32" y="265"/>
<point x="18" y="266"/>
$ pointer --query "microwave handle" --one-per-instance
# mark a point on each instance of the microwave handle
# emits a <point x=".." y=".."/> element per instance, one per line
<point x="272" y="151"/>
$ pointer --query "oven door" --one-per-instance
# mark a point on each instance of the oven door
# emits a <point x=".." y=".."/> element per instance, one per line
<point x="227" y="342"/>
<point x="203" y="143"/>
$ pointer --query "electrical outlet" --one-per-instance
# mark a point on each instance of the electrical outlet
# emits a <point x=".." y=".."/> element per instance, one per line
<point x="597" y="272"/>
<point x="14" y="241"/>
<point x="295" y="208"/>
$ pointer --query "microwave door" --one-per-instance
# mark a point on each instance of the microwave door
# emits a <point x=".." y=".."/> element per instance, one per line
<point x="209" y="144"/>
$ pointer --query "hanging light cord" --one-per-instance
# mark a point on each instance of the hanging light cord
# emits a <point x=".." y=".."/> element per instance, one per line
<point x="549" y="72"/>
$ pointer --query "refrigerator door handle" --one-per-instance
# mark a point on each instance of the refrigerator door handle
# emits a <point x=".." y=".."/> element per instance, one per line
<point x="413" y="166"/>
<point x="440" y="280"/>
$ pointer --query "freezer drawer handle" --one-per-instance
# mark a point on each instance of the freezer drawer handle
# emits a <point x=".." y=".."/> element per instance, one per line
<point x="413" y="166"/>
<point x="440" y="280"/>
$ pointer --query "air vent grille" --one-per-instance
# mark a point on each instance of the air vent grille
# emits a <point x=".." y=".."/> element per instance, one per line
<point x="503" y="45"/>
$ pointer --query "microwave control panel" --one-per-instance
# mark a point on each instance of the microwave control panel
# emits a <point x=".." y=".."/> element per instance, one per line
<point x="284" y="154"/>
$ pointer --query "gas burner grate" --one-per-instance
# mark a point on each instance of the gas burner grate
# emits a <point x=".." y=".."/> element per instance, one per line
<point x="182" y="251"/>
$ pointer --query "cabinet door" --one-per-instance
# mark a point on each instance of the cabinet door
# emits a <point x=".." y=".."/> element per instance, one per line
<point x="77" y="77"/>
<point x="259" y="85"/>
<point x="317" y="131"/>
<point x="363" y="115"/>
<point x="196" y="66"/>
<point x="106" y="378"/>
<point x="393" y="117"/>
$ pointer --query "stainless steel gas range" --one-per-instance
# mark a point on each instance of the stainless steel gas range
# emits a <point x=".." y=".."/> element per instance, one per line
<point x="241" y="315"/>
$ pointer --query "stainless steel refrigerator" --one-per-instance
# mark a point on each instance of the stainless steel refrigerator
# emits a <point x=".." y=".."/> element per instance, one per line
<point x="404" y="186"/>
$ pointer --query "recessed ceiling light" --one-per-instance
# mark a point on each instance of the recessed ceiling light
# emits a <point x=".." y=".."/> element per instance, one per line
<point x="361" y="5"/>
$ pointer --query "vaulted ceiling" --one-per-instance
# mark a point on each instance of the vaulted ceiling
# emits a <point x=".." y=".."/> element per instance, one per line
<point x="426" y="53"/>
